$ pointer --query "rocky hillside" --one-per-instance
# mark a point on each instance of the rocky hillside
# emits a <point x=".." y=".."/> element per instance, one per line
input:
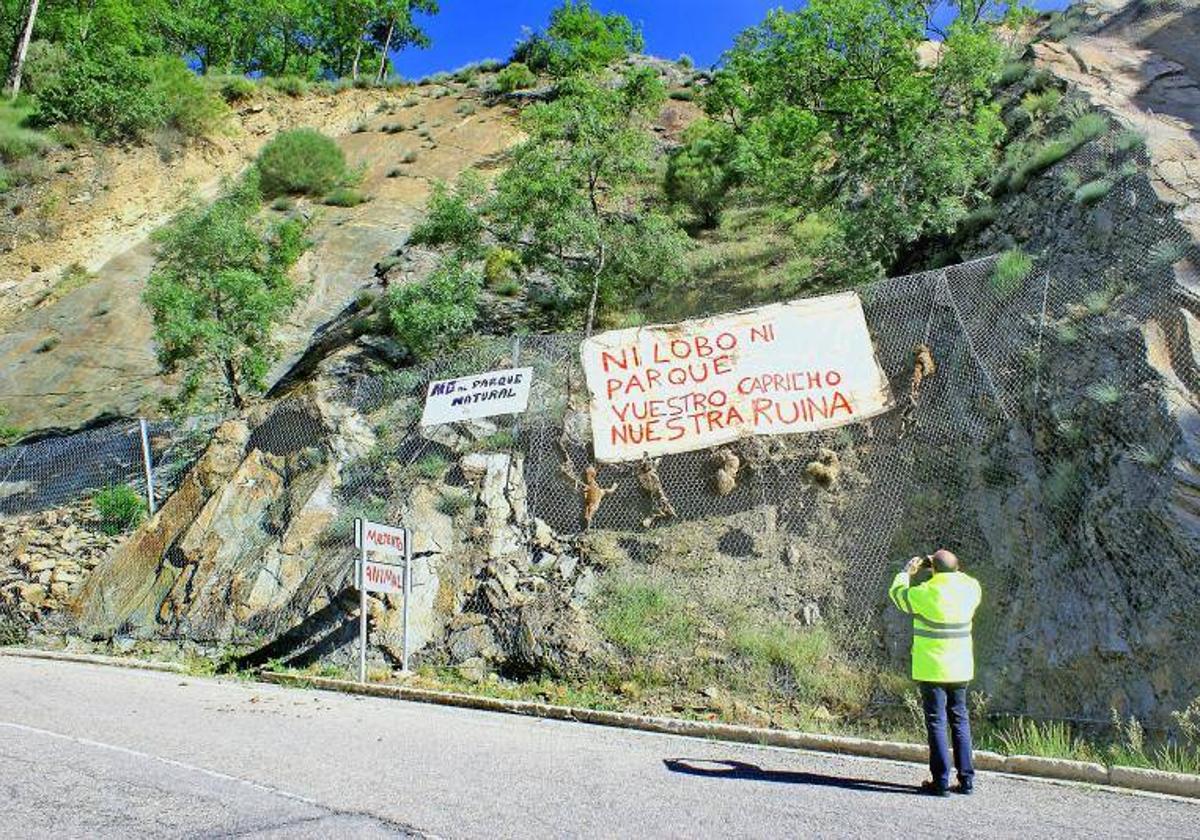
<point x="1056" y="445"/>
<point x="76" y="341"/>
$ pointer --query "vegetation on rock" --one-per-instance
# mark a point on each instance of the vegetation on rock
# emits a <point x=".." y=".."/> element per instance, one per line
<point x="218" y="291"/>
<point x="120" y="507"/>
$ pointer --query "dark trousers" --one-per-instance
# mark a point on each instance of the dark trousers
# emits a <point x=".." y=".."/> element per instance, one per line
<point x="943" y="701"/>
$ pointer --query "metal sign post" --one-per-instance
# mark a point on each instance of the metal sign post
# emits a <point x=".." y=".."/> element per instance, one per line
<point x="381" y="576"/>
<point x="362" y="604"/>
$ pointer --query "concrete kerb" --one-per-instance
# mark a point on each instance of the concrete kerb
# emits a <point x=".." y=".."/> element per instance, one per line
<point x="1154" y="781"/>
<point x="93" y="659"/>
<point x="1130" y="778"/>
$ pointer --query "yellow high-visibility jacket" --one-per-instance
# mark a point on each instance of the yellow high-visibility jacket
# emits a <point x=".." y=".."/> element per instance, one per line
<point x="942" y="608"/>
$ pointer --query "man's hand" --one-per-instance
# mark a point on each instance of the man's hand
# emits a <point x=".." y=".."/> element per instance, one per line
<point x="914" y="565"/>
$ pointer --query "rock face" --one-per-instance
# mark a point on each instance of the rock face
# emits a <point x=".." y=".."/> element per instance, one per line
<point x="74" y="354"/>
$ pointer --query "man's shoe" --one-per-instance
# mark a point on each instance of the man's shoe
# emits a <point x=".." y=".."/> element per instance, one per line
<point x="965" y="790"/>
<point x="930" y="789"/>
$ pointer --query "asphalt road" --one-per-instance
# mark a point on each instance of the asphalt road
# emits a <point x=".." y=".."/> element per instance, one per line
<point x="88" y="751"/>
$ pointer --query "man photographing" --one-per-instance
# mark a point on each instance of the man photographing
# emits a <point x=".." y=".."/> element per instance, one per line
<point x="943" y="662"/>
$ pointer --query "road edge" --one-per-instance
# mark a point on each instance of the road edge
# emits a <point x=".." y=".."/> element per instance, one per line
<point x="1181" y="785"/>
<point x="94" y="659"/>
<point x="1056" y="769"/>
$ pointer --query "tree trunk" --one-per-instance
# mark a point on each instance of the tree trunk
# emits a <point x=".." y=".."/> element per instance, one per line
<point x="231" y="381"/>
<point x="591" y="314"/>
<point x="387" y="43"/>
<point x="18" y="64"/>
<point x="357" y="58"/>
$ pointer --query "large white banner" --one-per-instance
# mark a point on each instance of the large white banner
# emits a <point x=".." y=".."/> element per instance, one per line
<point x="779" y="369"/>
<point x="481" y="395"/>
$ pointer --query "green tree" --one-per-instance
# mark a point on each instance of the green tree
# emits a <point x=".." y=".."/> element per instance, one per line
<point x="433" y="314"/>
<point x="579" y="40"/>
<point x="217" y="292"/>
<point x="832" y="108"/>
<point x="700" y="172"/>
<point x="452" y="217"/>
<point x="573" y="200"/>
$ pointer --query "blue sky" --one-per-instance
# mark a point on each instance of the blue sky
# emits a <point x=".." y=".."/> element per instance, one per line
<point x="469" y="30"/>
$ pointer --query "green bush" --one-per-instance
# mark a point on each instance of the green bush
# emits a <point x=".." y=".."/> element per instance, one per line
<point x="699" y="173"/>
<point x="1087" y="127"/>
<point x="120" y="508"/>
<point x="1046" y="156"/>
<point x="451" y="218"/>
<point x="110" y="92"/>
<point x="1093" y="191"/>
<point x="9" y="434"/>
<point x="301" y="161"/>
<point x="291" y="85"/>
<point x="685" y="61"/>
<point x="283" y="204"/>
<point x="433" y="314"/>
<point x="431" y="467"/>
<point x="516" y="76"/>
<point x="500" y="266"/>
<point x="345" y="197"/>
<point x="1130" y="139"/>
<point x="683" y="94"/>
<point x="1011" y="270"/>
<point x="234" y="88"/>
<point x="188" y="104"/>
<point x="454" y="503"/>
<point x="1013" y="72"/>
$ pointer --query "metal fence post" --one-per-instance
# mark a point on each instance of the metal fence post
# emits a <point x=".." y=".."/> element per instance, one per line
<point x="146" y="463"/>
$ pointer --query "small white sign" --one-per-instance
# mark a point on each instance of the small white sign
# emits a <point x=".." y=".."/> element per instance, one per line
<point x="381" y="577"/>
<point x="481" y="395"/>
<point x="379" y="539"/>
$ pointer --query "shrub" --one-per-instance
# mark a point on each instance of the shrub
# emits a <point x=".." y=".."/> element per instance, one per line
<point x="1087" y="127"/>
<point x="699" y="172"/>
<point x="290" y="85"/>
<point x="300" y="162"/>
<point x="234" y="88"/>
<point x="466" y="109"/>
<point x="683" y="94"/>
<point x="283" y="204"/>
<point x="516" y="76"/>
<point x="188" y="104"/>
<point x="345" y="197"/>
<point x="1046" y="156"/>
<point x="454" y="503"/>
<point x="685" y="61"/>
<point x="1013" y="72"/>
<point x="500" y="266"/>
<point x="1011" y="270"/>
<point x="1165" y="252"/>
<point x="44" y="64"/>
<point x="431" y="467"/>
<point x="120" y="508"/>
<point x="1130" y="139"/>
<point x="409" y="157"/>
<point x="393" y="128"/>
<point x="432" y="314"/>
<point x="109" y="91"/>
<point x="1093" y="191"/>
<point x="9" y="434"/>
<point x="452" y="218"/>
<point x="1104" y="393"/>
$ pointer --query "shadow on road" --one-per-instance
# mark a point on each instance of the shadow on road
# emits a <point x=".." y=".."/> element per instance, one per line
<point x="726" y="769"/>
